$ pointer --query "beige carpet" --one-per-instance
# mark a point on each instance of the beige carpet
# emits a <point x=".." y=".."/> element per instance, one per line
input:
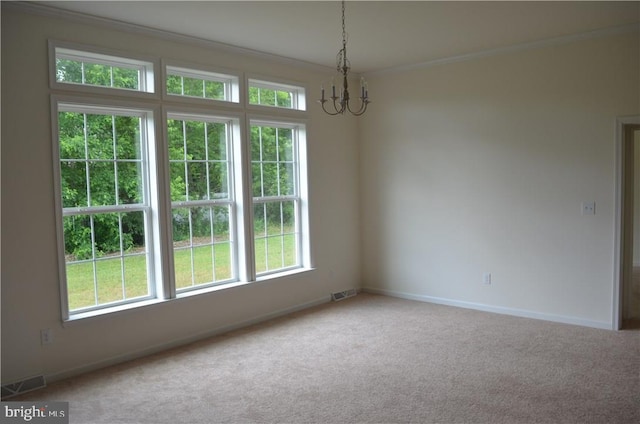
<point x="374" y="359"/>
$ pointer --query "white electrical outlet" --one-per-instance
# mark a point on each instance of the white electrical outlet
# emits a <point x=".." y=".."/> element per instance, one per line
<point x="588" y="208"/>
<point x="46" y="336"/>
<point x="486" y="278"/>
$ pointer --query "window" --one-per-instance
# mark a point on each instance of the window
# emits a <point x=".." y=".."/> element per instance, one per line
<point x="201" y="84"/>
<point x="160" y="197"/>
<point x="284" y="96"/>
<point x="105" y="201"/>
<point x="202" y="201"/>
<point x="98" y="70"/>
<point x="274" y="170"/>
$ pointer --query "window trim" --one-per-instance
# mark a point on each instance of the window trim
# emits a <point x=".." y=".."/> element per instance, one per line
<point x="302" y="182"/>
<point x="234" y="133"/>
<point x="154" y="247"/>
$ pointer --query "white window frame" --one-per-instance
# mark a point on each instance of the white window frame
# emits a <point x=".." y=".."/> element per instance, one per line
<point x="300" y="198"/>
<point x="229" y="78"/>
<point x="233" y="136"/>
<point x="146" y="67"/>
<point x="298" y="91"/>
<point x="150" y="200"/>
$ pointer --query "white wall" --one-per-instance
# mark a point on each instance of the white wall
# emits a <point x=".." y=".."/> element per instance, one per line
<point x="482" y="165"/>
<point x="636" y="199"/>
<point x="30" y="287"/>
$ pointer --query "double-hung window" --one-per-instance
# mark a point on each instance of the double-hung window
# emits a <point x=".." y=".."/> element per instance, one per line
<point x="173" y="191"/>
<point x="276" y="195"/>
<point x="201" y="200"/>
<point x="106" y="209"/>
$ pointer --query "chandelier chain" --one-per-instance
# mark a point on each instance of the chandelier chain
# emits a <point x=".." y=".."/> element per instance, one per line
<point x="344" y="31"/>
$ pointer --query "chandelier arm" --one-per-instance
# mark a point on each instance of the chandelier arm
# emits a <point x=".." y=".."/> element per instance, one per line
<point x="331" y="113"/>
<point x="337" y="112"/>
<point x="361" y="110"/>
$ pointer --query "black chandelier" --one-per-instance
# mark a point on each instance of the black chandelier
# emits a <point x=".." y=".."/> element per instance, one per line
<point x="340" y="100"/>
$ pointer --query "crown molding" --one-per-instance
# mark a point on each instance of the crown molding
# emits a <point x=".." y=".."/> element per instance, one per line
<point x="45" y="10"/>
<point x="600" y="33"/>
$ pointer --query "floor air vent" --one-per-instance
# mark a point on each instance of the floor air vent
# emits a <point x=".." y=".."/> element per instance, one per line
<point x="14" y="389"/>
<point x="343" y="294"/>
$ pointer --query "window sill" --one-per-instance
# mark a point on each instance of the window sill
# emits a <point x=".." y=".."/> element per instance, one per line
<point x="274" y="276"/>
<point x="282" y="274"/>
<point x="120" y="309"/>
<point x="134" y="306"/>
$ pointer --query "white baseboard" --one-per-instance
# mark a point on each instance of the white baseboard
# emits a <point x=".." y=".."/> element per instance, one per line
<point x="495" y="309"/>
<point x="255" y="320"/>
<point x="72" y="372"/>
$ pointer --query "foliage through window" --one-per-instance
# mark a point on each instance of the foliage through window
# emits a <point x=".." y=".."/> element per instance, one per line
<point x="102" y="174"/>
<point x="201" y="198"/>
<point x="73" y="67"/>
<point x="275" y="196"/>
<point x="284" y="96"/>
<point x="200" y="84"/>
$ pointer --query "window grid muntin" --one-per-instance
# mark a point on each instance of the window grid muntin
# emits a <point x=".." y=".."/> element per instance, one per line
<point x="91" y="211"/>
<point x="266" y="236"/>
<point x="290" y="94"/>
<point x="185" y="160"/>
<point x="210" y="203"/>
<point x="115" y="161"/>
<point x="278" y="161"/>
<point x="96" y="259"/>
<point x="213" y="245"/>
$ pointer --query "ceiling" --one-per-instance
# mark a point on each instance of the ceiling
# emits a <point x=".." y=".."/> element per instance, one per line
<point x="382" y="34"/>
